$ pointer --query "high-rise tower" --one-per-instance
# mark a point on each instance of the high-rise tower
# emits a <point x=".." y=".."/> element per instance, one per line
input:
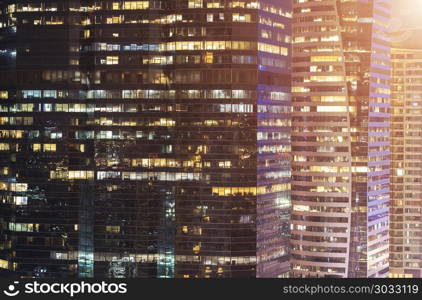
<point x="145" y="138"/>
<point x="340" y="138"/>
<point x="406" y="162"/>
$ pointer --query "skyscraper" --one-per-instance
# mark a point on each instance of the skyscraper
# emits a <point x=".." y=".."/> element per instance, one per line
<point x="406" y="162"/>
<point x="145" y="138"/>
<point x="340" y="138"/>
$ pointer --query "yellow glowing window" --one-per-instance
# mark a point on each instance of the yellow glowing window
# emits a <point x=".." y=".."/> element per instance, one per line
<point x="163" y="122"/>
<point x="19" y="187"/>
<point x="3" y="186"/>
<point x="326" y="78"/>
<point x="4" y="147"/>
<point x="159" y="60"/>
<point x="359" y="169"/>
<point x="216" y="45"/>
<point x="300" y="207"/>
<point x="196" y="248"/>
<point x="4" y="94"/>
<point x="36" y="147"/>
<point x="113" y="229"/>
<point x="299" y="39"/>
<point x="112" y="60"/>
<point x="224" y="164"/>
<point x="54" y="21"/>
<point x="4" y="264"/>
<point x="49" y="147"/>
<point x="81" y="175"/>
<point x="262" y="190"/>
<point x="326" y="58"/>
<point x="214" y="4"/>
<point x="244" y="4"/>
<point x="229" y="191"/>
<point x="300" y="89"/>
<point x="264" y="47"/>
<point x="241" y="17"/>
<point x="195" y="3"/>
<point x="209" y="57"/>
<point x="328" y="99"/>
<point x="87" y="33"/>
<point x="331" y="38"/>
<point x="136" y="5"/>
<point x="114" y="20"/>
<point x="4" y="171"/>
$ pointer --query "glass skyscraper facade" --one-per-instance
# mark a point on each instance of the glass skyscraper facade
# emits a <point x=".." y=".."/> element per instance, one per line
<point x="406" y="162"/>
<point x="145" y="138"/>
<point x="340" y="138"/>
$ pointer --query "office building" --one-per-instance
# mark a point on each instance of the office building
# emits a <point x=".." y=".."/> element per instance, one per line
<point x="406" y="162"/>
<point x="340" y="138"/>
<point x="145" y="138"/>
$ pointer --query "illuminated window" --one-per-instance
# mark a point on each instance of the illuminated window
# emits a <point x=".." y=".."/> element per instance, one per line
<point x="214" y="4"/>
<point x="136" y="5"/>
<point x="241" y="17"/>
<point x="4" y="171"/>
<point x="112" y="60"/>
<point x="113" y="229"/>
<point x="4" y="94"/>
<point x="81" y="175"/>
<point x="87" y="33"/>
<point x="4" y="264"/>
<point x="328" y="98"/>
<point x="197" y="248"/>
<point x="230" y="191"/>
<point x="331" y="108"/>
<point x="326" y="78"/>
<point x="20" y="200"/>
<point x="224" y="164"/>
<point x="23" y="227"/>
<point x="208" y="58"/>
<point x="31" y="94"/>
<point x="300" y="208"/>
<point x="326" y="58"/>
<point x="49" y="147"/>
<point x="114" y="20"/>
<point x="195" y="3"/>
<point x="18" y="187"/>
<point x="264" y="47"/>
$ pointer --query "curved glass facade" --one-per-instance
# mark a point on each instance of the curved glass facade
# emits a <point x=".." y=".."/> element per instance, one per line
<point x="340" y="138"/>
